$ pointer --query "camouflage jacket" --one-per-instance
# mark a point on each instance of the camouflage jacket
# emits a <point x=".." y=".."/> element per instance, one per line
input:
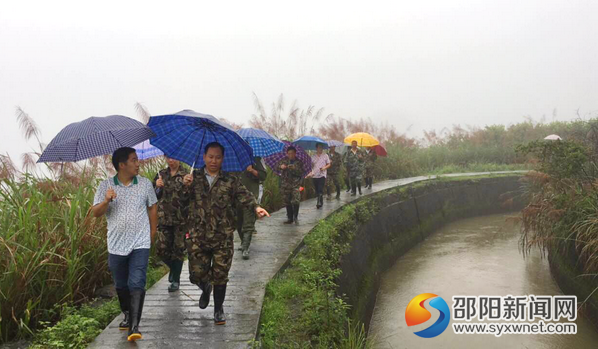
<point x="211" y="214"/>
<point x="335" y="164"/>
<point x="171" y="210"/>
<point x="354" y="162"/>
<point x="370" y="158"/>
<point x="252" y="182"/>
<point x="292" y="176"/>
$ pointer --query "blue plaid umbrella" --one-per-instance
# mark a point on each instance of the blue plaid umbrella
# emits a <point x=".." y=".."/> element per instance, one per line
<point x="310" y="142"/>
<point x="146" y="151"/>
<point x="184" y="135"/>
<point x="95" y="136"/>
<point x="262" y="143"/>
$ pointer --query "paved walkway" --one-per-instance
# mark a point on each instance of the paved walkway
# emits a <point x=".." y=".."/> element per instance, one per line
<point x="174" y="320"/>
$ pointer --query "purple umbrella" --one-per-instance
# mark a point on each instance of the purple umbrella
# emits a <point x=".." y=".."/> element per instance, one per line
<point x="272" y="160"/>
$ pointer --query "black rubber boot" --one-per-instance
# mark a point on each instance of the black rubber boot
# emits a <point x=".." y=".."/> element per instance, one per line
<point x="124" y="301"/>
<point x="177" y="268"/>
<point x="359" y="187"/>
<point x="289" y="215"/>
<point x="135" y="309"/>
<point x="204" y="300"/>
<point x="296" y="214"/>
<point x="353" y="189"/>
<point x="219" y="295"/>
<point x="169" y="264"/>
<point x="338" y="192"/>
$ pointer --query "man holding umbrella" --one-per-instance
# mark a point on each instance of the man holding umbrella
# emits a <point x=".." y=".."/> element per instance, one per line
<point x="129" y="203"/>
<point x="354" y="165"/>
<point x="210" y="241"/>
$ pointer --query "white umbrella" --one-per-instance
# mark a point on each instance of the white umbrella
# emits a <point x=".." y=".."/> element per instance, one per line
<point x="553" y="138"/>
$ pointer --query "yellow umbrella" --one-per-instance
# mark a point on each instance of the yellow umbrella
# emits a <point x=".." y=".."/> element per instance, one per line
<point x="363" y="139"/>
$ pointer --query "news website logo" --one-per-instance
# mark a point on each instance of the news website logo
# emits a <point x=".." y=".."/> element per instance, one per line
<point x="417" y="314"/>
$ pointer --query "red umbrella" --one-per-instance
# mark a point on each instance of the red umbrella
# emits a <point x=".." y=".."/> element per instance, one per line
<point x="380" y="151"/>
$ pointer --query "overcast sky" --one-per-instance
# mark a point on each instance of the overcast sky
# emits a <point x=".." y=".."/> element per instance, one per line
<point x="419" y="64"/>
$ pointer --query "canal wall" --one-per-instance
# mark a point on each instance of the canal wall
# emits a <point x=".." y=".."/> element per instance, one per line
<point x="404" y="216"/>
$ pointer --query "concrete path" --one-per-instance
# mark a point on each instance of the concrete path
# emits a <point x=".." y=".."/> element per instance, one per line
<point x="174" y="320"/>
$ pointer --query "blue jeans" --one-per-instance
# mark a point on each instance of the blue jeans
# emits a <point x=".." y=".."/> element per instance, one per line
<point x="129" y="271"/>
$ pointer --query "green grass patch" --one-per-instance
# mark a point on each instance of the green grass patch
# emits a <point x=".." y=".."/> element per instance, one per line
<point x="79" y="326"/>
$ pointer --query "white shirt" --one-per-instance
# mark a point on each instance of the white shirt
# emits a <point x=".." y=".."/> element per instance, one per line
<point x="128" y="220"/>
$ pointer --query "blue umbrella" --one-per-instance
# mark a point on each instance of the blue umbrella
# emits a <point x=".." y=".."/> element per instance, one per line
<point x="310" y="142"/>
<point x="262" y="143"/>
<point x="147" y="151"/>
<point x="335" y="143"/>
<point x="95" y="136"/>
<point x="184" y="135"/>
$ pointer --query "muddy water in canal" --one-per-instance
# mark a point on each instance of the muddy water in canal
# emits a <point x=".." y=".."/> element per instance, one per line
<point x="471" y="257"/>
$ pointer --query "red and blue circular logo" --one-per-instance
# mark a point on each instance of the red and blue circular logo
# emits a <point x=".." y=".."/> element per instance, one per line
<point x="417" y="314"/>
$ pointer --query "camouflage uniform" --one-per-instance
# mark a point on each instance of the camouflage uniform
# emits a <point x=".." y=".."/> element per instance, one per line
<point x="354" y="165"/>
<point x="333" y="176"/>
<point x="171" y="216"/>
<point x="246" y="218"/>
<point x="370" y="158"/>
<point x="290" y="180"/>
<point x="211" y="225"/>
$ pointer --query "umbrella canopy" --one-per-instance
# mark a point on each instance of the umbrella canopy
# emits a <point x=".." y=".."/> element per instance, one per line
<point x="184" y="135"/>
<point x="380" y="150"/>
<point x="272" y="160"/>
<point x="363" y="139"/>
<point x="310" y="142"/>
<point x="146" y="151"/>
<point x="262" y="143"/>
<point x="93" y="137"/>
<point x="335" y="143"/>
<point x="553" y="138"/>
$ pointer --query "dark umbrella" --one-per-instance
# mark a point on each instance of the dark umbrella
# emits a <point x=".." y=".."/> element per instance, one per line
<point x="272" y="160"/>
<point x="380" y="150"/>
<point x="93" y="137"/>
<point x="184" y="135"/>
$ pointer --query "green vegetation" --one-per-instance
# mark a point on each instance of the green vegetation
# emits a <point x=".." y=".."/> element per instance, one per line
<point x="562" y="216"/>
<point x="300" y="307"/>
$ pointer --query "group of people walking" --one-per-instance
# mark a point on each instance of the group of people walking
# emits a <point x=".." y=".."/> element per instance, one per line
<point x="193" y="213"/>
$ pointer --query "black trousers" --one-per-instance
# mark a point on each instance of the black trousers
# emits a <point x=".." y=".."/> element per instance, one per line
<point x="319" y="184"/>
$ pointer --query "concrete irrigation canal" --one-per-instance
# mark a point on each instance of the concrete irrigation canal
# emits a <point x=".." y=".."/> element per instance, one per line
<point x="396" y="233"/>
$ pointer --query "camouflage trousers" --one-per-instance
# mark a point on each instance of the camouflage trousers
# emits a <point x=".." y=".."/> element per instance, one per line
<point x="170" y="244"/>
<point x="369" y="172"/>
<point x="209" y="261"/>
<point x="333" y="183"/>
<point x="291" y="196"/>
<point x="245" y="225"/>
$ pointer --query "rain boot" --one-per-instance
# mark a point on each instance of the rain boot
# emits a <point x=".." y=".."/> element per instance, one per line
<point x="204" y="300"/>
<point x="169" y="264"/>
<point x="246" y="243"/>
<point x="359" y="187"/>
<point x="353" y="189"/>
<point x="289" y="215"/>
<point x="296" y="214"/>
<point x="135" y="309"/>
<point x="124" y="301"/>
<point x="338" y="192"/>
<point x="219" y="295"/>
<point x="177" y="268"/>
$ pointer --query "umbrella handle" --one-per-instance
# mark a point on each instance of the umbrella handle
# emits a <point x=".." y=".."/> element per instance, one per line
<point x="192" y="168"/>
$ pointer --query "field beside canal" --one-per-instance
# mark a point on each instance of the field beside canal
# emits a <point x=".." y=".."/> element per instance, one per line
<point x="53" y="253"/>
